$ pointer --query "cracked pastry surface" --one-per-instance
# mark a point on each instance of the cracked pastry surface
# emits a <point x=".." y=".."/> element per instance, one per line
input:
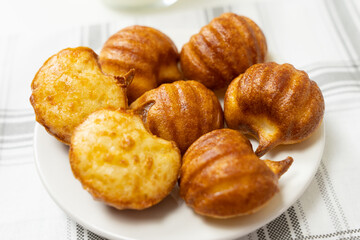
<point x="120" y="163"/>
<point x="69" y="86"/>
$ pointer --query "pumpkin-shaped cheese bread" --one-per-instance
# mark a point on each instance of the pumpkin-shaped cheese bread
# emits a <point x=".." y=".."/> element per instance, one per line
<point x="222" y="50"/>
<point x="120" y="163"/>
<point x="278" y="104"/>
<point x="221" y="176"/>
<point x="150" y="52"/>
<point x="181" y="111"/>
<point x="69" y="86"/>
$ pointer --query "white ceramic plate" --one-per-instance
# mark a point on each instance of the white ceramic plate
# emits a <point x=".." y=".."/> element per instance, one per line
<point x="171" y="218"/>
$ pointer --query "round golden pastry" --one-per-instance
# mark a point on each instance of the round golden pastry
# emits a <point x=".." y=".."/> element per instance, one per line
<point x="222" y="50"/>
<point x="277" y="104"/>
<point x="69" y="86"/>
<point x="120" y="163"/>
<point x="181" y="112"/>
<point x="221" y="177"/>
<point x="150" y="52"/>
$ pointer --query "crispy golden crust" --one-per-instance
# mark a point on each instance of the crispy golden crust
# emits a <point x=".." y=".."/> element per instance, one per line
<point x="221" y="176"/>
<point x="120" y="163"/>
<point x="150" y="52"/>
<point x="181" y="111"/>
<point x="222" y="50"/>
<point x="69" y="86"/>
<point x="278" y="104"/>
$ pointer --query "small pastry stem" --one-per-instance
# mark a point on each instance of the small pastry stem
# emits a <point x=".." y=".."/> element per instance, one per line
<point x="126" y="80"/>
<point x="279" y="167"/>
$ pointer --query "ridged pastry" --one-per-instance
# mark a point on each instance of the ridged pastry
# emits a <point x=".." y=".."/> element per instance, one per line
<point x="222" y="50"/>
<point x="278" y="104"/>
<point x="150" y="52"/>
<point x="181" y="111"/>
<point x="221" y="177"/>
<point x="69" y="86"/>
<point x="120" y="163"/>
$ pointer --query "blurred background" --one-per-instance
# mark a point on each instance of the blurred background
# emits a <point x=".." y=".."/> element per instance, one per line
<point x="38" y="14"/>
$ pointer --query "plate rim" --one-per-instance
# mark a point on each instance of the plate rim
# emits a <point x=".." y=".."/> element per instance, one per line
<point x="109" y="235"/>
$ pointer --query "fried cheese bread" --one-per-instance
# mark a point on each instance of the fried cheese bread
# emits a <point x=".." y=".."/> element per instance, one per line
<point x="276" y="103"/>
<point x="222" y="50"/>
<point x="120" y="163"/>
<point x="181" y="111"/>
<point x="150" y="52"/>
<point x="69" y="86"/>
<point x="221" y="177"/>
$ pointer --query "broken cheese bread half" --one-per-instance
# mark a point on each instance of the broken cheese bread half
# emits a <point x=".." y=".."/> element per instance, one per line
<point x="69" y="86"/>
<point x="120" y="163"/>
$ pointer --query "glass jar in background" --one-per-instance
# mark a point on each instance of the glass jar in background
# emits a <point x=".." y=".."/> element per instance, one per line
<point x="138" y="4"/>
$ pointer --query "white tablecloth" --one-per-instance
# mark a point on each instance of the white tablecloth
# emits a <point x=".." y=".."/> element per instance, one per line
<point x="320" y="37"/>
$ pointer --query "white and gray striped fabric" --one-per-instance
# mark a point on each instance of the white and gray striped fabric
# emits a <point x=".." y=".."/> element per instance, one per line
<point x="321" y="37"/>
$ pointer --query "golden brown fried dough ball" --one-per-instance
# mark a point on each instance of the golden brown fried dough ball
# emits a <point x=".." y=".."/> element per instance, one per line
<point x="221" y="177"/>
<point x="222" y="50"/>
<point x="69" y="86"/>
<point x="277" y="104"/>
<point x="150" y="52"/>
<point x="181" y="111"/>
<point x="120" y="163"/>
